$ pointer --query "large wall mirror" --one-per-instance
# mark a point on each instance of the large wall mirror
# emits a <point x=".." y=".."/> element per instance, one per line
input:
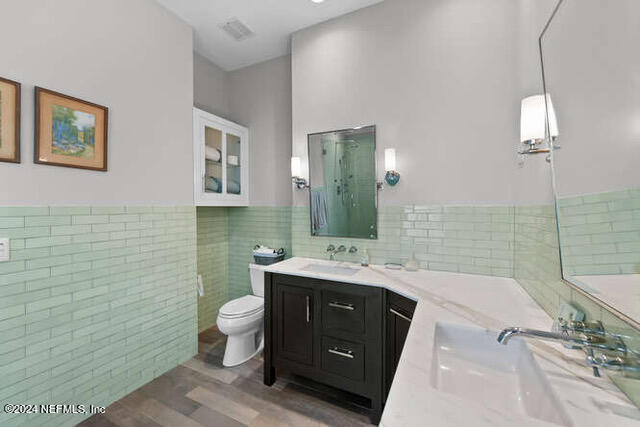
<point x="342" y="179"/>
<point x="592" y="74"/>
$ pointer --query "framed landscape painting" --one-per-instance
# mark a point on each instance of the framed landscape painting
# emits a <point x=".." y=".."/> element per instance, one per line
<point x="70" y="132"/>
<point x="9" y="121"/>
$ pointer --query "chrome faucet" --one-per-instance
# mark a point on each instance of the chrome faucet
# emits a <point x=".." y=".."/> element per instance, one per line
<point x="589" y="337"/>
<point x="333" y="251"/>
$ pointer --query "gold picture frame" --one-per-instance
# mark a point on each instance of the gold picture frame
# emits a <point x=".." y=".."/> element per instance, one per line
<point x="70" y="132"/>
<point x="9" y="121"/>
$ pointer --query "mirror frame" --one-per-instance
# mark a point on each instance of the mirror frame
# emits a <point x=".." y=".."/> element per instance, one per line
<point x="567" y="279"/>
<point x="375" y="171"/>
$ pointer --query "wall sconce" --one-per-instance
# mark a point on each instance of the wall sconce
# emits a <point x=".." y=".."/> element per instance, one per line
<point x="533" y="124"/>
<point x="392" y="177"/>
<point x="296" y="172"/>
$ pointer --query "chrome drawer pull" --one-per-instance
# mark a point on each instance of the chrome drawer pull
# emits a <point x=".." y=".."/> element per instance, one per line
<point x="341" y="305"/>
<point x="343" y="353"/>
<point x="308" y="311"/>
<point x="400" y="315"/>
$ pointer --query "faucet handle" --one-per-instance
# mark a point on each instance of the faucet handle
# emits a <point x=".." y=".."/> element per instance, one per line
<point x="588" y="328"/>
<point x="331" y="248"/>
<point x="353" y="250"/>
<point x="612" y="363"/>
<point x="342" y="248"/>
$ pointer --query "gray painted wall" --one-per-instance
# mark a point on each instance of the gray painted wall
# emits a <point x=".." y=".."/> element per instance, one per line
<point x="259" y="97"/>
<point x="593" y="63"/>
<point x="441" y="80"/>
<point x="146" y="81"/>
<point x="210" y="87"/>
<point x="261" y="100"/>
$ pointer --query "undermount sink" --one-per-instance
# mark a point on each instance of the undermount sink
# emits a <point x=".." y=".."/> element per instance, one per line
<point x="331" y="269"/>
<point x="470" y="363"/>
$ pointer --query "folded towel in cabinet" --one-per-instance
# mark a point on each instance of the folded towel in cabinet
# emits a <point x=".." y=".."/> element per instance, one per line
<point x="212" y="154"/>
<point x="233" y="187"/>
<point x="233" y="160"/>
<point x="213" y="185"/>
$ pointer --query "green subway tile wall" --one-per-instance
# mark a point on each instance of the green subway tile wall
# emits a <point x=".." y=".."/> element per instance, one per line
<point x="213" y="250"/>
<point x="265" y="225"/>
<point x="95" y="302"/>
<point x="537" y="259"/>
<point x="465" y="239"/>
<point x="537" y="269"/>
<point x="226" y="237"/>
<point x="600" y="233"/>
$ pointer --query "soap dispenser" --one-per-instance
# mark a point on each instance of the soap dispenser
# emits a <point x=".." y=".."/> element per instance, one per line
<point x="412" y="263"/>
<point x="365" y="259"/>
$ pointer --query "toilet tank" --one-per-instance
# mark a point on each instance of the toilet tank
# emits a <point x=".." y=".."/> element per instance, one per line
<point x="257" y="279"/>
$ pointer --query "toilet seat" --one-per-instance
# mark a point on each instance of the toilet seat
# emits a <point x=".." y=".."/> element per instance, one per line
<point x="242" y="307"/>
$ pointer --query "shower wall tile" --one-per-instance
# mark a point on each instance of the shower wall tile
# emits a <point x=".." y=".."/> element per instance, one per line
<point x="94" y="303"/>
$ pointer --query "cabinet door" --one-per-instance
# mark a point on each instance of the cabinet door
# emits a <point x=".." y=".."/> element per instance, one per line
<point x="399" y="313"/>
<point x="294" y="323"/>
<point x="221" y="155"/>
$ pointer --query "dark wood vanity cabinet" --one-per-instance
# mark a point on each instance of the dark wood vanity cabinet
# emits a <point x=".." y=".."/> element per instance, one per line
<point x="333" y="333"/>
<point x="398" y="320"/>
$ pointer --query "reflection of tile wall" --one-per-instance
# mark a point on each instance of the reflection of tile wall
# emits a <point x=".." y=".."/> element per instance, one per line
<point x="466" y="239"/>
<point x="213" y="249"/>
<point x="94" y="303"/>
<point x="600" y="233"/>
<point x="537" y="269"/>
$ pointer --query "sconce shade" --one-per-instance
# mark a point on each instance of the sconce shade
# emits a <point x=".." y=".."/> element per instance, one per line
<point x="389" y="159"/>
<point x="296" y="168"/>
<point x="533" y="119"/>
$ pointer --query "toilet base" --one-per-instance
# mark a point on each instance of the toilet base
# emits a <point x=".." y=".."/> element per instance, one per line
<point x="241" y="348"/>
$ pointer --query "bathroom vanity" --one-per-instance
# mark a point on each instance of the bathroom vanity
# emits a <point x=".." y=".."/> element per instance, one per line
<point x="334" y="333"/>
<point x="351" y="327"/>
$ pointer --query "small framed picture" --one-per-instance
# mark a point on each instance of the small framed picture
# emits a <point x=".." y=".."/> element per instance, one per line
<point x="70" y="132"/>
<point x="9" y="121"/>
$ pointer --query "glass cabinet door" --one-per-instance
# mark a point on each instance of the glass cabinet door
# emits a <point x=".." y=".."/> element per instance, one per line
<point x="213" y="167"/>
<point x="234" y="164"/>
<point x="221" y="161"/>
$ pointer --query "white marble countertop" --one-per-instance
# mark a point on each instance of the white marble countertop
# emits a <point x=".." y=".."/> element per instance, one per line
<point x="491" y="303"/>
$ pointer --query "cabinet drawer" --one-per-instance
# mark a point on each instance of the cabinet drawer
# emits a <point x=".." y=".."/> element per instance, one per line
<point x="343" y="358"/>
<point x="343" y="312"/>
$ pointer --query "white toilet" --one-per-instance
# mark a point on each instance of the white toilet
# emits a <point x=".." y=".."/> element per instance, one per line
<point x="241" y="320"/>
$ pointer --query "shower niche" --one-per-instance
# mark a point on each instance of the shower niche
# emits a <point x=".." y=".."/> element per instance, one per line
<point x="342" y="180"/>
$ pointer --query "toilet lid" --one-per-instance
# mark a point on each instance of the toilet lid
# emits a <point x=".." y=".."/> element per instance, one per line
<point x="243" y="306"/>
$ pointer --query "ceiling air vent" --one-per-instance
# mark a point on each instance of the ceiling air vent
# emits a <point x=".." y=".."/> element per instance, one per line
<point x="236" y="29"/>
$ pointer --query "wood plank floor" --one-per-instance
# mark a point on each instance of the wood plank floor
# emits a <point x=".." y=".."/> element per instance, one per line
<point x="200" y="392"/>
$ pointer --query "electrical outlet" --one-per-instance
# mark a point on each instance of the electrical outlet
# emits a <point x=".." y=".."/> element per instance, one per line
<point x="4" y="249"/>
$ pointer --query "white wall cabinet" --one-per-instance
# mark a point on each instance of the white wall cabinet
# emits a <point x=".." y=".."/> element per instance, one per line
<point x="221" y="157"/>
